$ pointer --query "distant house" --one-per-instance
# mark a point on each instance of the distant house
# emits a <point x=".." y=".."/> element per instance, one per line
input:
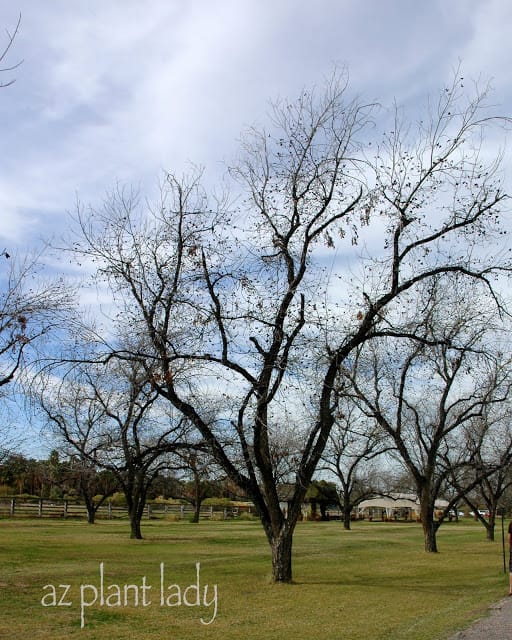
<point x="394" y="506"/>
<point x="285" y="493"/>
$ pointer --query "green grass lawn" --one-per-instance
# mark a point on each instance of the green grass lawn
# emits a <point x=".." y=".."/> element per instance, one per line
<point x="372" y="582"/>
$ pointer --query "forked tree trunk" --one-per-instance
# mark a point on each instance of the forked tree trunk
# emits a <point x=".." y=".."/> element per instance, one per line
<point x="279" y="531"/>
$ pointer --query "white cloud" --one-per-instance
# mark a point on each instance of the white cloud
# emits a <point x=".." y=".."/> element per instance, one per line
<point x="120" y="90"/>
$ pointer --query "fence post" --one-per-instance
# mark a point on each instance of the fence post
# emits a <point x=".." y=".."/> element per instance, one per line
<point x="182" y="512"/>
<point x="110" y="511"/>
<point x="40" y="507"/>
<point x="65" y="508"/>
<point x="149" y="511"/>
<point x="13" y="503"/>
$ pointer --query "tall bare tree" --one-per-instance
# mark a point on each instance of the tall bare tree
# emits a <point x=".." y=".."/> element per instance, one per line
<point x="234" y="304"/>
<point x="429" y="392"/>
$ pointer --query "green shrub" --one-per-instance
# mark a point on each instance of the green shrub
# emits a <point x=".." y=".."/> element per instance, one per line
<point x="217" y="502"/>
<point x="246" y="516"/>
<point x="172" y="517"/>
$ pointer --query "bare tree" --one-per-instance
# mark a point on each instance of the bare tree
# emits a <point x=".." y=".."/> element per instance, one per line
<point x="428" y="393"/>
<point x="76" y="420"/>
<point x="196" y="473"/>
<point x="490" y="472"/>
<point x="234" y="304"/>
<point x="108" y="416"/>
<point x="354" y="446"/>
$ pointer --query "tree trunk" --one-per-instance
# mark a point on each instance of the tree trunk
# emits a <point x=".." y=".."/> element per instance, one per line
<point x="136" y="503"/>
<point x="197" y="498"/>
<point x="279" y="531"/>
<point x="347" y="510"/>
<point x="282" y="557"/>
<point x="427" y="521"/>
<point x="490" y="526"/>
<point x="197" y="511"/>
<point x="91" y="508"/>
<point x="135" y="529"/>
<point x="491" y="521"/>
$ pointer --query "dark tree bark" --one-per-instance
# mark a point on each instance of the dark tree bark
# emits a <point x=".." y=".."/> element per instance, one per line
<point x="428" y="523"/>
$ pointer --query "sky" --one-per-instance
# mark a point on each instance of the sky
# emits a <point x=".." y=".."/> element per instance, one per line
<point x="119" y="92"/>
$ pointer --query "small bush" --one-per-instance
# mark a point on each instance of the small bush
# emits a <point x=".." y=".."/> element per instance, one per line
<point x="246" y="516"/>
<point x="172" y="517"/>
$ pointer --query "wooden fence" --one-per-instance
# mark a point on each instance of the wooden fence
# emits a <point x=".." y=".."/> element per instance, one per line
<point x="45" y="508"/>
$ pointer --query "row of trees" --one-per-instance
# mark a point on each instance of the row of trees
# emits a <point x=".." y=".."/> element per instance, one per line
<point x="192" y="478"/>
<point x="351" y="289"/>
<point x="55" y="478"/>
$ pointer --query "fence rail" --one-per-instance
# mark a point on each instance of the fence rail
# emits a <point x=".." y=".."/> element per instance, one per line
<point x="45" y="508"/>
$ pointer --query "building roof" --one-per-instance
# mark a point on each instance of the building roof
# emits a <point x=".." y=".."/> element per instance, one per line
<point x="397" y="501"/>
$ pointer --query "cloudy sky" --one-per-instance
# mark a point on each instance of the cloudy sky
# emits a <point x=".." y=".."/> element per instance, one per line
<point x="118" y="91"/>
<point x="121" y="90"/>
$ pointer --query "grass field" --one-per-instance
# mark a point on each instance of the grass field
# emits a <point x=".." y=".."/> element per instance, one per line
<point x="372" y="582"/>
